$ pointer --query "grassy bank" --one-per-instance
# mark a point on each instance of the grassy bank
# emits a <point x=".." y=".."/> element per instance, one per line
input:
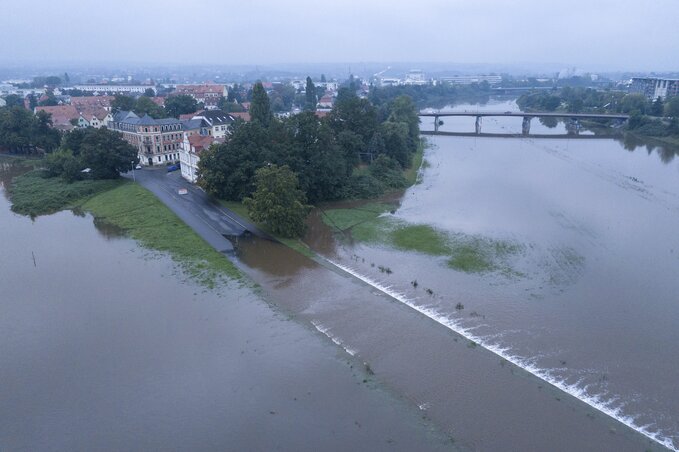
<point x="144" y="218"/>
<point x="34" y="194"/>
<point x="371" y="223"/>
<point x="131" y="208"/>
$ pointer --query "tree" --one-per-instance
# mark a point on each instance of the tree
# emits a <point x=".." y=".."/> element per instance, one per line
<point x="323" y="80"/>
<point x="671" y="107"/>
<point x="310" y="97"/>
<point x="278" y="202"/>
<point x="260" y="108"/>
<point x="13" y="100"/>
<point x="634" y="103"/>
<point x="146" y="106"/>
<point x="21" y="131"/>
<point x="180" y="105"/>
<point x="122" y="103"/>
<point x="67" y="79"/>
<point x="50" y="100"/>
<point x="149" y="92"/>
<point x="657" y="108"/>
<point x="103" y="151"/>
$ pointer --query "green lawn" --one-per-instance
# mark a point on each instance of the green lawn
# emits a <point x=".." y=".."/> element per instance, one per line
<point x="144" y="218"/>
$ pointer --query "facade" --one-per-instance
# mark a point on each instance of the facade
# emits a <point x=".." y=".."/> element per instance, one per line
<point x="115" y="89"/>
<point x="469" y="79"/>
<point x="208" y="93"/>
<point x="654" y="88"/>
<point x="189" y="156"/>
<point x="158" y="141"/>
<point x="415" y="77"/>
<point x="217" y="122"/>
<point x="94" y="117"/>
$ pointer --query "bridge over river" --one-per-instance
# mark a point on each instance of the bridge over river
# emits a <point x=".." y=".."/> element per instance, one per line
<point x="574" y="118"/>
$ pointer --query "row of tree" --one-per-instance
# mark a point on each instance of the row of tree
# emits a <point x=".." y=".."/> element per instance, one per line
<point x="144" y="105"/>
<point x="324" y="156"/>
<point x="91" y="153"/>
<point x="577" y="100"/>
<point x="22" y="132"/>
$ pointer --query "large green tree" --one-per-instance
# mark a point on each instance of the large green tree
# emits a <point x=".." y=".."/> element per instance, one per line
<point x="672" y="107"/>
<point x="310" y="98"/>
<point x="122" y="103"/>
<point x="260" y="107"/>
<point x="146" y="106"/>
<point x="21" y="131"/>
<point x="180" y="105"/>
<point x="103" y="151"/>
<point x="278" y="202"/>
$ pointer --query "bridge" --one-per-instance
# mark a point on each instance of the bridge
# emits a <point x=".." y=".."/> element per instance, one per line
<point x="527" y="117"/>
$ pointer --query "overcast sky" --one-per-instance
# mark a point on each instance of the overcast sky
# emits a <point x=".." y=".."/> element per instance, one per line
<point x="590" y="34"/>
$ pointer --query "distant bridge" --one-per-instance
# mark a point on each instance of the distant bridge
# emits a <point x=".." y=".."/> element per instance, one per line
<point x="527" y="117"/>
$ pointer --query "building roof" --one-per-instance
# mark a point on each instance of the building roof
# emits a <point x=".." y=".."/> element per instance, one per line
<point x="123" y="115"/>
<point x="61" y="115"/>
<point x="83" y="102"/>
<point x="201" y="142"/>
<point x="216" y="117"/>
<point x="194" y="124"/>
<point x="244" y="115"/>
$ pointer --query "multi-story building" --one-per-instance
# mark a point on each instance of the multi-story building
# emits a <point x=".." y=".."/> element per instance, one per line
<point x="654" y="88"/>
<point x="208" y="93"/>
<point x="469" y="79"/>
<point x="217" y="122"/>
<point x="157" y="141"/>
<point x="189" y="156"/>
<point x="115" y="89"/>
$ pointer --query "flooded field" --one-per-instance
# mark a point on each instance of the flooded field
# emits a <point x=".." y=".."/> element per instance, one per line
<point x="107" y="346"/>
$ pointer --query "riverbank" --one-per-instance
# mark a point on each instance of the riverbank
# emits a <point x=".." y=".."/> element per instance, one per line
<point x="131" y="208"/>
<point x="107" y="347"/>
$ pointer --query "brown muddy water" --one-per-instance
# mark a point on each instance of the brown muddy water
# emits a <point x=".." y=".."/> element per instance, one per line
<point x="106" y="346"/>
<point x="576" y="347"/>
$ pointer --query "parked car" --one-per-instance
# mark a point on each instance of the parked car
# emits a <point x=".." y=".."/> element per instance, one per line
<point x="172" y="168"/>
<point x="137" y="167"/>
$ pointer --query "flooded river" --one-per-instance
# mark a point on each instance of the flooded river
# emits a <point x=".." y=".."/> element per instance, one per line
<point x="106" y="346"/>
<point x="590" y="300"/>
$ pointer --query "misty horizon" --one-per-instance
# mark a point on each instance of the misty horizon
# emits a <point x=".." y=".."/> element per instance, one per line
<point x="607" y="37"/>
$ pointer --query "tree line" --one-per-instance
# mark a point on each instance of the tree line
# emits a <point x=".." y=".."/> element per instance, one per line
<point x="356" y="151"/>
<point x="651" y="117"/>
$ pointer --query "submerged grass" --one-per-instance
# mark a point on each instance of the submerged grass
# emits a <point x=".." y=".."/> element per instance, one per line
<point x="35" y="194"/>
<point x="465" y="253"/>
<point x="144" y="218"/>
<point x="131" y="208"/>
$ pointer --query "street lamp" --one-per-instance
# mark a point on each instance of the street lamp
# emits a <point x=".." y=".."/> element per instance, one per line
<point x="133" y="177"/>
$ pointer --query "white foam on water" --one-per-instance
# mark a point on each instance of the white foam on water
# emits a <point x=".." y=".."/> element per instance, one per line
<point x="608" y="405"/>
<point x="336" y="340"/>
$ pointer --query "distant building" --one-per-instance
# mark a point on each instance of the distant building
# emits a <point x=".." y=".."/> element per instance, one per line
<point x="208" y="93"/>
<point x="469" y="79"/>
<point x="115" y="89"/>
<point x="415" y="77"/>
<point x="217" y="122"/>
<point x="157" y="141"/>
<point x="63" y="116"/>
<point x="326" y="101"/>
<point x="653" y="88"/>
<point x="96" y="117"/>
<point x="85" y="102"/>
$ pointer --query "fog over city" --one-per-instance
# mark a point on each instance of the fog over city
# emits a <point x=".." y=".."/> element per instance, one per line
<point x="602" y="35"/>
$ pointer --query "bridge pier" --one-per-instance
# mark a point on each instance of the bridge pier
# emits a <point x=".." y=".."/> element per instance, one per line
<point x="436" y="123"/>
<point x="525" y="126"/>
<point x="573" y="126"/>
<point x="477" y="125"/>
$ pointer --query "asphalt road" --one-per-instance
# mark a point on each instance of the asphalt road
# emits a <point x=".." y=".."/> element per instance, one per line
<point x="213" y="222"/>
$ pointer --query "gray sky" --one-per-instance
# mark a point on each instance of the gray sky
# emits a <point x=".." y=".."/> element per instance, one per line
<point x="590" y="34"/>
